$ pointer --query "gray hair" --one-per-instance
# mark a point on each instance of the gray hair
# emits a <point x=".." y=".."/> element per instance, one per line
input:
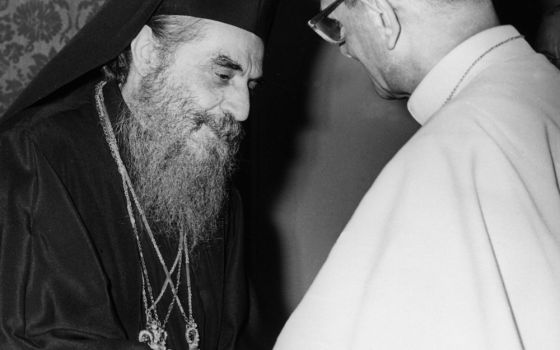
<point x="170" y="31"/>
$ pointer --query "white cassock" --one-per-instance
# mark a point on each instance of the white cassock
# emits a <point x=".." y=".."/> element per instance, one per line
<point x="457" y="243"/>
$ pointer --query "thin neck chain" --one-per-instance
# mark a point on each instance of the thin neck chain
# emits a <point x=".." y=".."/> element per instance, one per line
<point x="475" y="62"/>
<point x="152" y="318"/>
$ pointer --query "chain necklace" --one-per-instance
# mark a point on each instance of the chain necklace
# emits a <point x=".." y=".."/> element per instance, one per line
<point x="454" y="91"/>
<point x="154" y="334"/>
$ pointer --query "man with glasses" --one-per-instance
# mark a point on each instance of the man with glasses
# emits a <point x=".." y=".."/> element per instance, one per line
<point x="457" y="243"/>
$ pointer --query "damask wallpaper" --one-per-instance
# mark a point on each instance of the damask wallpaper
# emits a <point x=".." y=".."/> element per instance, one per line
<point x="31" y="32"/>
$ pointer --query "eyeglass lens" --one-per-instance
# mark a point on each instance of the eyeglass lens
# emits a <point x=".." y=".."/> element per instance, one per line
<point x="330" y="28"/>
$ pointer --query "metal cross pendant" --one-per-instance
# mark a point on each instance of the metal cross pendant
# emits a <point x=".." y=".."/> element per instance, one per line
<point x="155" y="336"/>
<point x="191" y="333"/>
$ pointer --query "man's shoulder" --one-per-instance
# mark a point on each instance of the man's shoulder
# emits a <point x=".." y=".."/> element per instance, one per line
<point x="65" y="133"/>
<point x="57" y="122"/>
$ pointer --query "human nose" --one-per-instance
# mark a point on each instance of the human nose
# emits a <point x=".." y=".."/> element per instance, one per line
<point x="344" y="50"/>
<point x="238" y="104"/>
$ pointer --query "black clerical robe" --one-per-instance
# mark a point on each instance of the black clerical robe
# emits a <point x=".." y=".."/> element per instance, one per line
<point x="70" y="275"/>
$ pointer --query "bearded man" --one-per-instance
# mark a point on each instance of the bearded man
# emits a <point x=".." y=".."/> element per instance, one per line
<point x="119" y="228"/>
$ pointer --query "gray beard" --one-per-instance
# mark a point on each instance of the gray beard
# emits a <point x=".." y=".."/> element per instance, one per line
<point x="180" y="159"/>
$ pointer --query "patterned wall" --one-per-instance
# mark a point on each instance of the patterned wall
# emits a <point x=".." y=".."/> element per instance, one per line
<point x="31" y="32"/>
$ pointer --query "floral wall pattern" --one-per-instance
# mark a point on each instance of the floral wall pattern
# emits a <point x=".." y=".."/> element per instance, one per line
<point x="31" y="32"/>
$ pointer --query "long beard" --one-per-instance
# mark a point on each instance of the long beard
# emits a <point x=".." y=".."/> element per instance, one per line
<point x="180" y="159"/>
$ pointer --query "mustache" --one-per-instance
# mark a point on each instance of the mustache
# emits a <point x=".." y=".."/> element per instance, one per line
<point x="225" y="126"/>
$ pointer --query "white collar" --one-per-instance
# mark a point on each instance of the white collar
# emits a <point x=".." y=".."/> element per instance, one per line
<point x="432" y="92"/>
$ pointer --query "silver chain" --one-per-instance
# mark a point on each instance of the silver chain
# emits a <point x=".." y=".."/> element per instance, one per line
<point x="154" y="334"/>
<point x="454" y="91"/>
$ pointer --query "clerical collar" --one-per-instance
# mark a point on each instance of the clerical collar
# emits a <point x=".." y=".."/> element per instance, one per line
<point x="472" y="56"/>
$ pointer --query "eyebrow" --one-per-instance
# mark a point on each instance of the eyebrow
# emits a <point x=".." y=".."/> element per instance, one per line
<point x="227" y="62"/>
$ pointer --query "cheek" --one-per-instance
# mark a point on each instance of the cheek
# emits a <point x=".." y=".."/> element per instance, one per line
<point x="364" y="49"/>
<point x="203" y="94"/>
<point x="353" y="43"/>
<point x="353" y="48"/>
<point x="344" y="50"/>
<point x="360" y="38"/>
<point x="207" y="92"/>
<point x="206" y="98"/>
<point x="199" y="87"/>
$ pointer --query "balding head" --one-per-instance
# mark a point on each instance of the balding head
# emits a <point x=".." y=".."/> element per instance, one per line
<point x="399" y="41"/>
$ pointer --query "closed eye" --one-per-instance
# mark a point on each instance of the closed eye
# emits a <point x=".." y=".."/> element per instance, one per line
<point x="224" y="76"/>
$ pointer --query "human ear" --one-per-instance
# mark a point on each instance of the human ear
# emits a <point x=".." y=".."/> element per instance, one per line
<point x="391" y="28"/>
<point x="143" y="51"/>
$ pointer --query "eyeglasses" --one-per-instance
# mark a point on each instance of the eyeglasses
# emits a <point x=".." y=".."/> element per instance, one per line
<point x="328" y="28"/>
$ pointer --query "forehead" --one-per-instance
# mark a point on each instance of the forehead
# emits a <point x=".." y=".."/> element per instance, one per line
<point x="219" y="38"/>
<point x="326" y="3"/>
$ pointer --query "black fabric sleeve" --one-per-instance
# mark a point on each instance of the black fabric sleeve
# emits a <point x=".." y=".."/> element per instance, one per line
<point x="53" y="291"/>
<point x="236" y="299"/>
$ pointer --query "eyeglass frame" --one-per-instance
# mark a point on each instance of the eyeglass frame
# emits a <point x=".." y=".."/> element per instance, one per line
<point x="325" y="13"/>
<point x="312" y="23"/>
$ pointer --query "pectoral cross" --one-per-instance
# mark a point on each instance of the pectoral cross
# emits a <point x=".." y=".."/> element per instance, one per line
<point x="193" y="338"/>
<point x="155" y="336"/>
